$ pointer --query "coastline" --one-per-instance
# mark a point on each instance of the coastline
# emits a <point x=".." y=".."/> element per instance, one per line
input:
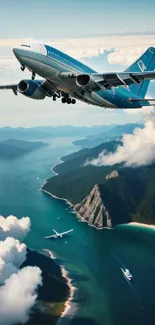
<point x="60" y="162"/>
<point x="71" y="206"/>
<point x="142" y="225"/>
<point x="56" y="197"/>
<point x="46" y="181"/>
<point x="136" y="224"/>
<point x="80" y="219"/>
<point x="72" y="288"/>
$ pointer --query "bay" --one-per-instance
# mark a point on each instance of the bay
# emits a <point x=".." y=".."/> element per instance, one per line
<point x="93" y="258"/>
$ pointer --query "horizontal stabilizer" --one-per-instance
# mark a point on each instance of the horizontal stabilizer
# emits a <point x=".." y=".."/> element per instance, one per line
<point x="150" y="101"/>
<point x="141" y="99"/>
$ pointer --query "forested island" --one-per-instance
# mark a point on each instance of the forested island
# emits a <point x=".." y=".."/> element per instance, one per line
<point x="12" y="148"/>
<point x="52" y="295"/>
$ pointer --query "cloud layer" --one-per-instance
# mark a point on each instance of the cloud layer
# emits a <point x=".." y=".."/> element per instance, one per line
<point x="14" y="227"/>
<point x="125" y="48"/>
<point x="138" y="149"/>
<point x="18" y="295"/>
<point x="12" y="255"/>
<point x="17" y="287"/>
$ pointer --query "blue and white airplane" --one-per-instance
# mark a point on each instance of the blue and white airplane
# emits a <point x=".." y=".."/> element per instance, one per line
<point x="69" y="79"/>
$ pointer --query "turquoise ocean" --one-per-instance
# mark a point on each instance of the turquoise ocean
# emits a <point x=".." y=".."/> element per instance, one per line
<point x="93" y="258"/>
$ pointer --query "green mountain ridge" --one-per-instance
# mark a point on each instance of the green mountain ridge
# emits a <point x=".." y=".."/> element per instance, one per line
<point x="110" y="135"/>
<point x="107" y="195"/>
<point x="74" y="181"/>
<point x="43" y="132"/>
<point x="12" y="148"/>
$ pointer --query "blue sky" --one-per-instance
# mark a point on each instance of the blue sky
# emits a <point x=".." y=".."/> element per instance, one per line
<point x="77" y="23"/>
<point x="70" y="18"/>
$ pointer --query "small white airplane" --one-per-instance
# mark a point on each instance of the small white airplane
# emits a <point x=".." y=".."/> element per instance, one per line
<point x="127" y="274"/>
<point x="57" y="234"/>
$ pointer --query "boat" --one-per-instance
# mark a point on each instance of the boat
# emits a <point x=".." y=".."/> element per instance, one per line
<point x="127" y="274"/>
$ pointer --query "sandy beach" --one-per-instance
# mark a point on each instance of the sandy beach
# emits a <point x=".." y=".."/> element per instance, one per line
<point x="142" y="225"/>
<point x="72" y="288"/>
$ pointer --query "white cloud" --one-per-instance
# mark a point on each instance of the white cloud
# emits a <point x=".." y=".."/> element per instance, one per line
<point x="12" y="42"/>
<point x="125" y="55"/>
<point x="18" y="287"/>
<point x="14" y="227"/>
<point x="18" y="295"/>
<point x="8" y="64"/>
<point x="126" y="48"/>
<point x="12" y="256"/>
<point x="137" y="149"/>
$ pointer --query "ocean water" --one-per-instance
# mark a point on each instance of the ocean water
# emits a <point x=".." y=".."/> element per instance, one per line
<point x="93" y="258"/>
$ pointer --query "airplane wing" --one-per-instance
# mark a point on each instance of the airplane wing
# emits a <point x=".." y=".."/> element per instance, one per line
<point x="66" y="232"/>
<point x="11" y="86"/>
<point x="97" y="81"/>
<point x="125" y="78"/>
<point x="48" y="86"/>
<point x="51" y="236"/>
<point x="144" y="101"/>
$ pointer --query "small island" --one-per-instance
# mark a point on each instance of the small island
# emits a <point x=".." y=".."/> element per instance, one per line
<point x="13" y="148"/>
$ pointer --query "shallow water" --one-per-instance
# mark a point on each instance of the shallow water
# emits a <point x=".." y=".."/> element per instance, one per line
<point x="93" y="258"/>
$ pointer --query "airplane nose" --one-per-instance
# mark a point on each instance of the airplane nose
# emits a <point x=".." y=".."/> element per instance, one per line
<point x="16" y="51"/>
<point x="18" y="54"/>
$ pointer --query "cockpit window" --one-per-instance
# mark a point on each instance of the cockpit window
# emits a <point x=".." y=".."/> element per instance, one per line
<point x="25" y="45"/>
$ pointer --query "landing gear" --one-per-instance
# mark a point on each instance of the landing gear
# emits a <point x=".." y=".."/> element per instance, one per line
<point x="63" y="100"/>
<point x="73" y="101"/>
<point x="33" y="75"/>
<point x="22" y="67"/>
<point x="69" y="101"/>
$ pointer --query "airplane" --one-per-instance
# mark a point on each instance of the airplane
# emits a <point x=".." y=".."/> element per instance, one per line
<point x="57" y="234"/>
<point x="66" y="78"/>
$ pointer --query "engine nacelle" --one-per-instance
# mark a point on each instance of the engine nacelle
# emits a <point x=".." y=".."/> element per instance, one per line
<point x="85" y="81"/>
<point x="32" y="89"/>
<point x="90" y="82"/>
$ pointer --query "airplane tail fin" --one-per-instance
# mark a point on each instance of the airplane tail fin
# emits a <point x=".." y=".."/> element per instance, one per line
<point x="145" y="63"/>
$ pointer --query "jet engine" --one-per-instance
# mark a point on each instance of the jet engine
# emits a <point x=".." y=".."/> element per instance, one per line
<point x="84" y="80"/>
<point x="90" y="82"/>
<point x="32" y="89"/>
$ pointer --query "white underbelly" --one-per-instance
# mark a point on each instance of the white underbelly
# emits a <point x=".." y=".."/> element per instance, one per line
<point x="52" y="72"/>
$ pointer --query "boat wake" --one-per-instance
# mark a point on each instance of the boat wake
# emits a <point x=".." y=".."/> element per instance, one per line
<point x="131" y="284"/>
<point x="123" y="267"/>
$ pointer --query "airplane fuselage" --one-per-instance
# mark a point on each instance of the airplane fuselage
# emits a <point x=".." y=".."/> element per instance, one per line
<point x="54" y="66"/>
